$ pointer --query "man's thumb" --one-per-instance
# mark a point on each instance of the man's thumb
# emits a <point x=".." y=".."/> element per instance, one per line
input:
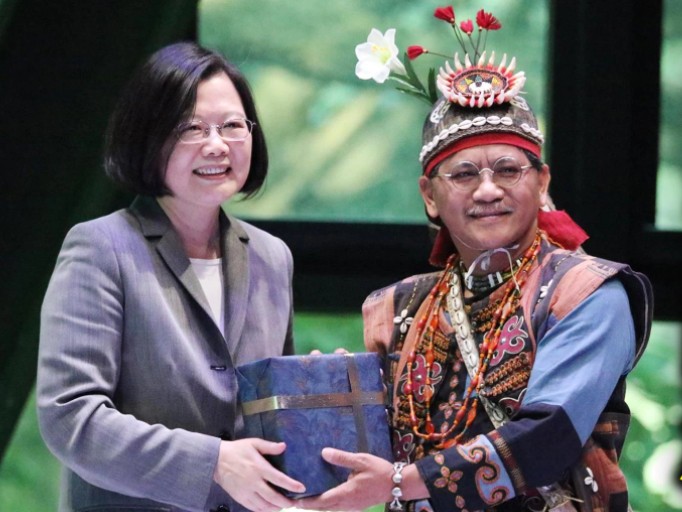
<point x="339" y="457"/>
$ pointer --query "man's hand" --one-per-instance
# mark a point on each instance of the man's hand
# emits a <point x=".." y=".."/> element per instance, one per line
<point x="368" y="484"/>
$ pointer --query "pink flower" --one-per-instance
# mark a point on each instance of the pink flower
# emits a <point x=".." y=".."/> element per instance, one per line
<point x="415" y="51"/>
<point x="467" y="27"/>
<point x="486" y="20"/>
<point x="445" y="13"/>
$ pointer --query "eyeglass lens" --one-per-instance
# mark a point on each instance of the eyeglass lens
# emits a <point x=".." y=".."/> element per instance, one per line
<point x="505" y="172"/>
<point x="232" y="130"/>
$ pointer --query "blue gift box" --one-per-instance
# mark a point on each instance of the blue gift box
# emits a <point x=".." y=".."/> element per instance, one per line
<point x="311" y="402"/>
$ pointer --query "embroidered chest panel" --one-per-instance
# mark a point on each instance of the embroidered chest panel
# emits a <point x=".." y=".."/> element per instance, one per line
<point x="505" y="381"/>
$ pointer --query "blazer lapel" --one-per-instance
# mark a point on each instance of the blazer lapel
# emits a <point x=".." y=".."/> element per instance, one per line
<point x="155" y="224"/>
<point x="236" y="272"/>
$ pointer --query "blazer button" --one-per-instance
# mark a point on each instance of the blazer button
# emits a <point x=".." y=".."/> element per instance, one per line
<point x="222" y="508"/>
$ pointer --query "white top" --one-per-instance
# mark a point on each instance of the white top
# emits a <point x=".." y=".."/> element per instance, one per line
<point x="210" y="276"/>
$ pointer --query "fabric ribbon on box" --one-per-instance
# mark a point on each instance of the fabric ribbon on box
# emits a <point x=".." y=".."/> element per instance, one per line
<point x="311" y="402"/>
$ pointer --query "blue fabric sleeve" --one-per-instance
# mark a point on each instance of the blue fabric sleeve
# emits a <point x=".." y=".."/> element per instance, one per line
<point x="580" y="359"/>
<point x="577" y="366"/>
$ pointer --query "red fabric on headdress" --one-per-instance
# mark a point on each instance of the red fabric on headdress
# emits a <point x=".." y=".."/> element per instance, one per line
<point x="558" y="225"/>
<point x="562" y="229"/>
<point x="442" y="248"/>
<point x="483" y="139"/>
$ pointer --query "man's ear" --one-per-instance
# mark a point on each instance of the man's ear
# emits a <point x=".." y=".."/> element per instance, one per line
<point x="545" y="178"/>
<point x="426" y="190"/>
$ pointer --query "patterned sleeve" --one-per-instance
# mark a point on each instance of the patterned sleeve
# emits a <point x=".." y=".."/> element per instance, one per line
<point x="578" y="363"/>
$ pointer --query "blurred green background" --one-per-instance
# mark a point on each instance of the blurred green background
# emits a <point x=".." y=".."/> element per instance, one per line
<point x="343" y="149"/>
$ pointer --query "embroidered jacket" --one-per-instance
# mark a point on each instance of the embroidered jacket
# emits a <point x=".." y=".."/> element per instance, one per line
<point x="559" y="373"/>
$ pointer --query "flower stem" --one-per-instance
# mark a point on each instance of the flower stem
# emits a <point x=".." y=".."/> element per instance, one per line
<point x="471" y="40"/>
<point x="478" y="41"/>
<point x="459" y="38"/>
<point x="438" y="54"/>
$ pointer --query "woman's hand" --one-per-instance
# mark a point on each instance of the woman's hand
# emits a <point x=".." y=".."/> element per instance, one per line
<point x="244" y="473"/>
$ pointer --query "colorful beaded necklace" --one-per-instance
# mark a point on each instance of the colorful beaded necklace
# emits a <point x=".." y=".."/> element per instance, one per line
<point x="426" y="329"/>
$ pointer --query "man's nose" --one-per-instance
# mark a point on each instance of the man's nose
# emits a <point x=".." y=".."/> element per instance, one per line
<point x="487" y="189"/>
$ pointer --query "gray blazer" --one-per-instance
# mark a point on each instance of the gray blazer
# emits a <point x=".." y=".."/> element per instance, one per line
<point x="136" y="384"/>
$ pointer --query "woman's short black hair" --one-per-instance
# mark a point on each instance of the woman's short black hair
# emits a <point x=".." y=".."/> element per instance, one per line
<point x="160" y="95"/>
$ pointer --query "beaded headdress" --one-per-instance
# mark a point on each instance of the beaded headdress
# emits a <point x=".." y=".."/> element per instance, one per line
<point x="480" y="103"/>
<point x="479" y="97"/>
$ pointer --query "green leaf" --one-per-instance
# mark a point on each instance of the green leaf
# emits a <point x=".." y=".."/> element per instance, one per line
<point x="414" y="79"/>
<point x="403" y="80"/>
<point x="431" y="81"/>
<point x="417" y="94"/>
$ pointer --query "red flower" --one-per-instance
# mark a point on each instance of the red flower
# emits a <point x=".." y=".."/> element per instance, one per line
<point x="486" y="20"/>
<point x="415" y="51"/>
<point x="445" y="14"/>
<point x="467" y="27"/>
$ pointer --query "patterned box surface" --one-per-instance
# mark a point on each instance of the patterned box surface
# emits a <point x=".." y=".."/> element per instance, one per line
<point x="311" y="402"/>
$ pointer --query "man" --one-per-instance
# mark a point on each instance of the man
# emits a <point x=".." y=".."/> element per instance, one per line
<point x="506" y="369"/>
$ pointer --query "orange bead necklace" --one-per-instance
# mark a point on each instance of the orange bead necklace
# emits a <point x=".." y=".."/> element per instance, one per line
<point x="426" y="329"/>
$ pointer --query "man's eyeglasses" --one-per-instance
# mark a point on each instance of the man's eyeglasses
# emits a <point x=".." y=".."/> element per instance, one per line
<point x="198" y="131"/>
<point x="466" y="176"/>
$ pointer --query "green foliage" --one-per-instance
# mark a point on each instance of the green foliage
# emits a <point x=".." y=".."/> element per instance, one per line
<point x="327" y="332"/>
<point x="669" y="182"/>
<point x="652" y="457"/>
<point x="29" y="474"/>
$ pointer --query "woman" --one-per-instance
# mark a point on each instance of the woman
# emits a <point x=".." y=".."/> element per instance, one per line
<point x="150" y="309"/>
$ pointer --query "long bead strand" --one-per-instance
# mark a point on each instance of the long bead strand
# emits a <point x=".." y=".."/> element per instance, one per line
<point x="426" y="331"/>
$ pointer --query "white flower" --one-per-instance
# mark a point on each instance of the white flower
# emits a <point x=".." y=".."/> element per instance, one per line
<point x="378" y="57"/>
